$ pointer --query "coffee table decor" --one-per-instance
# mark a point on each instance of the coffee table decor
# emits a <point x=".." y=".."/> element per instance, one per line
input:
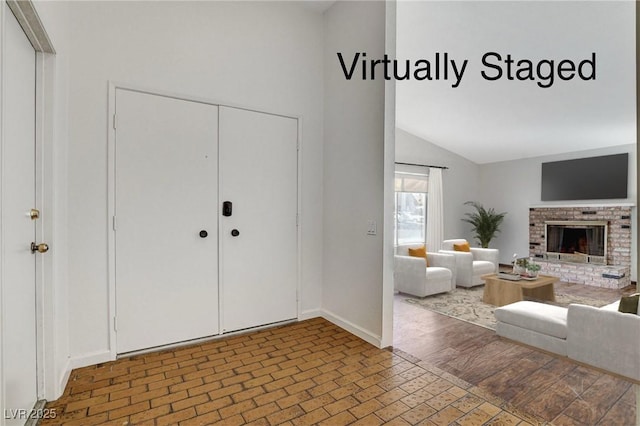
<point x="509" y="276"/>
<point x="525" y="267"/>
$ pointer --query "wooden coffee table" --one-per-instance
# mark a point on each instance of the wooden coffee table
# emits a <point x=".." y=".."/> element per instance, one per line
<point x="500" y="292"/>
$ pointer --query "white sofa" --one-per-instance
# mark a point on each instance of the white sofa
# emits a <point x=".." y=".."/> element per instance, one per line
<point x="601" y="337"/>
<point x="412" y="276"/>
<point x="470" y="266"/>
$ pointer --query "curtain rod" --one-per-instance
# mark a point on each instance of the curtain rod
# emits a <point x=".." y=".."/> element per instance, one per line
<point x="423" y="165"/>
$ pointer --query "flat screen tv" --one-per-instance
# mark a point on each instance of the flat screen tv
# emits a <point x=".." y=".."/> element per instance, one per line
<point x="591" y="178"/>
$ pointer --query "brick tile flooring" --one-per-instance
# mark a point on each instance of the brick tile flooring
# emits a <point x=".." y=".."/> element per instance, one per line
<point x="311" y="372"/>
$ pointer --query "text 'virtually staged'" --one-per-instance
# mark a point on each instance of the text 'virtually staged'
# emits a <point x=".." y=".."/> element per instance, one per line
<point x="443" y="66"/>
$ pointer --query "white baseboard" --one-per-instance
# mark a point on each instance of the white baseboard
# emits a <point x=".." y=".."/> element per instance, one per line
<point x="365" y="335"/>
<point x="63" y="379"/>
<point x="78" y="362"/>
<point x="90" y="359"/>
<point x="311" y="313"/>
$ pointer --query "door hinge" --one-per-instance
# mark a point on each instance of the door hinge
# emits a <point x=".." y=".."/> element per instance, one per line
<point x="114" y="223"/>
<point x="115" y="323"/>
<point x="297" y="145"/>
<point x="297" y="219"/>
<point x="114" y="121"/>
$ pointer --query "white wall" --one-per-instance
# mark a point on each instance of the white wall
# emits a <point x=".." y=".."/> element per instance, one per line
<point x="353" y="172"/>
<point x="514" y="186"/>
<point x="460" y="182"/>
<point x="265" y="55"/>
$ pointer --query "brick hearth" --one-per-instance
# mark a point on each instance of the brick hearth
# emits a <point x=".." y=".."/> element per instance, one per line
<point x="618" y="244"/>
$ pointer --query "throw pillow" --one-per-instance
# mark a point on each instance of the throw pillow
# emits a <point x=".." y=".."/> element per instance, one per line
<point x="629" y="304"/>
<point x="419" y="252"/>
<point x="462" y="247"/>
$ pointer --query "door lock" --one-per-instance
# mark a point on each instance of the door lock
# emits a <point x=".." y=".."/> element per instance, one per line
<point x="227" y="208"/>
<point x="40" y="248"/>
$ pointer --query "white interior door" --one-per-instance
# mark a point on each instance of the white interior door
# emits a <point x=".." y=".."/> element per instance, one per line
<point x="166" y="200"/>
<point x="19" y="387"/>
<point x="258" y="175"/>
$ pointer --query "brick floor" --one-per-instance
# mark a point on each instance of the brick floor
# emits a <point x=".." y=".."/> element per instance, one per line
<point x="310" y="372"/>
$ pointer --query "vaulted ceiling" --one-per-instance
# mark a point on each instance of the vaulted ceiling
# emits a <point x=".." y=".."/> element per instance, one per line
<point x="488" y="119"/>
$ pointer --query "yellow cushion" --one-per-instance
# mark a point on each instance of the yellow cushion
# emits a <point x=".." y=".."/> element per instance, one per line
<point x="462" y="247"/>
<point x="419" y="252"/>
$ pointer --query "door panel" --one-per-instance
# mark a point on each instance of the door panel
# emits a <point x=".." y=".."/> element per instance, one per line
<point x="18" y="311"/>
<point x="258" y="174"/>
<point x="166" y="194"/>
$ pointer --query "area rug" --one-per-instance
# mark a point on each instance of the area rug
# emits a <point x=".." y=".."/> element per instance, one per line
<point x="466" y="304"/>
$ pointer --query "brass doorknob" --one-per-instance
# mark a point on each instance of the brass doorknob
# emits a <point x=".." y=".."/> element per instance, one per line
<point x="40" y="248"/>
<point x="34" y="214"/>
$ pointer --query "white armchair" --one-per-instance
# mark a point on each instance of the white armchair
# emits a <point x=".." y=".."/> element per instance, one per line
<point x="470" y="266"/>
<point x="412" y="276"/>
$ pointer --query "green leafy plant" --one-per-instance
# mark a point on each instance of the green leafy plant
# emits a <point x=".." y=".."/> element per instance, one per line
<point x="485" y="223"/>
<point x="528" y="265"/>
<point x="533" y="267"/>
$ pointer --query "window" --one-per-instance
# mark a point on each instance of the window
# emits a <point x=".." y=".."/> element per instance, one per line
<point x="411" y="207"/>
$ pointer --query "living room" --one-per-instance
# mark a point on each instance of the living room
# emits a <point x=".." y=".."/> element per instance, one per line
<point x="469" y="340"/>
<point x="492" y="140"/>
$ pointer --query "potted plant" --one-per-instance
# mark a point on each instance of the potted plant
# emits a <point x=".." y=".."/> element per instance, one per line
<point x="485" y="223"/>
<point x="532" y="270"/>
<point x="526" y="268"/>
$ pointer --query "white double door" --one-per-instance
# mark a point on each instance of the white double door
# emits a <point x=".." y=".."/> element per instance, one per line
<point x="205" y="219"/>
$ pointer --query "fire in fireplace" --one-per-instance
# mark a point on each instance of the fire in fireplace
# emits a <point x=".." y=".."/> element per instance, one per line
<point x="577" y="241"/>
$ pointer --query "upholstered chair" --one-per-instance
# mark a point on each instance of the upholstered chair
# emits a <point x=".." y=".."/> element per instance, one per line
<point x="470" y="266"/>
<point x="412" y="275"/>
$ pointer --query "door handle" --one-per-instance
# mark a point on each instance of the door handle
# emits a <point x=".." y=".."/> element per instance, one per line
<point x="40" y="248"/>
<point x="227" y="208"/>
<point x="235" y="232"/>
<point x="34" y="214"/>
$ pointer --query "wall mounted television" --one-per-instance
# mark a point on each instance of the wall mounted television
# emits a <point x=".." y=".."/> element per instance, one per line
<point x="592" y="178"/>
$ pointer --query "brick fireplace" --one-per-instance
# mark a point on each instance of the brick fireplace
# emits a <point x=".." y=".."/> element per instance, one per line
<point x="610" y="270"/>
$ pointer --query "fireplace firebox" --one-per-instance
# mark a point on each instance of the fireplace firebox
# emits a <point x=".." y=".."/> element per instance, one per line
<point x="576" y="241"/>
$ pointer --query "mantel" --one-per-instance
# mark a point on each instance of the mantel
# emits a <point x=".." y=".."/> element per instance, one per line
<point x="560" y="206"/>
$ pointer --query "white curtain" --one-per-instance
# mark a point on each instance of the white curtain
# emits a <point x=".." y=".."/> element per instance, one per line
<point x="435" y="216"/>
